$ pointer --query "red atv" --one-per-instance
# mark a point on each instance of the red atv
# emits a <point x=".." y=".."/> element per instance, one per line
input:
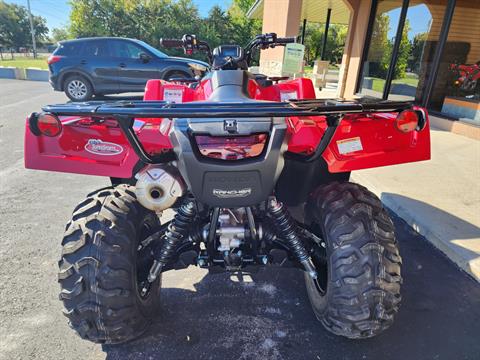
<point x="258" y="175"/>
<point x="467" y="77"/>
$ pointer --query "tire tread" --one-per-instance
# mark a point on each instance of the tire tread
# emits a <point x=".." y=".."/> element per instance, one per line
<point x="363" y="293"/>
<point x="95" y="271"/>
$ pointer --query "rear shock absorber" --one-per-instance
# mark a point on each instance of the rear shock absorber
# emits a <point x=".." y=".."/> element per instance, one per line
<point x="177" y="230"/>
<point x="287" y="229"/>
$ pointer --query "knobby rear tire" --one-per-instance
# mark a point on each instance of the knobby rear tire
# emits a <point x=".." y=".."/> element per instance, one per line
<point x="363" y="285"/>
<point x="98" y="272"/>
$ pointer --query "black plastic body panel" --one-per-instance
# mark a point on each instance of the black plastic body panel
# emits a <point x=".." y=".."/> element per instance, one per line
<point x="233" y="183"/>
<point x="299" y="178"/>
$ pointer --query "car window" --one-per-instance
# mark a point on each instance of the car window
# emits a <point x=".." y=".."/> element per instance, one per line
<point x="125" y="49"/>
<point x="94" y="49"/>
<point x="153" y="50"/>
<point x="68" y="49"/>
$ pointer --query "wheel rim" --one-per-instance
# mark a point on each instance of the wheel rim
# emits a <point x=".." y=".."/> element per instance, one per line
<point x="77" y="89"/>
<point x="473" y="85"/>
<point x="144" y="259"/>
<point x="320" y="261"/>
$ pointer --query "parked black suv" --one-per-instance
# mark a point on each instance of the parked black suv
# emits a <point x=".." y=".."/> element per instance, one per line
<point x="94" y="66"/>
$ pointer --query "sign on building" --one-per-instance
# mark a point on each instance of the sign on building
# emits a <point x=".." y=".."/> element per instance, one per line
<point x="293" y="58"/>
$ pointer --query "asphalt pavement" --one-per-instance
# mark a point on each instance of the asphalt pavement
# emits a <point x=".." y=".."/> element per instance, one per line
<point x="262" y="315"/>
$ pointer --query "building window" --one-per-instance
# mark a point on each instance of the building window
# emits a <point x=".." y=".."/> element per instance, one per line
<point x="379" y="56"/>
<point x="421" y="31"/>
<point x="456" y="90"/>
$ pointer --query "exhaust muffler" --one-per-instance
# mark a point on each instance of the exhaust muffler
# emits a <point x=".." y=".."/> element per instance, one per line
<point x="158" y="187"/>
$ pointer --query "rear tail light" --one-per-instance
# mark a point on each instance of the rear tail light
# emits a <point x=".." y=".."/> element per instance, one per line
<point x="53" y="59"/>
<point x="407" y="121"/>
<point x="231" y="147"/>
<point x="49" y="124"/>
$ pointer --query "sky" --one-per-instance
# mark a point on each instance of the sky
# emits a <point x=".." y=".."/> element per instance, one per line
<point x="56" y="12"/>
<point x="419" y="17"/>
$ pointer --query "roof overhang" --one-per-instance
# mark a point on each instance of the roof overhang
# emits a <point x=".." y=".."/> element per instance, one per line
<point x="312" y="11"/>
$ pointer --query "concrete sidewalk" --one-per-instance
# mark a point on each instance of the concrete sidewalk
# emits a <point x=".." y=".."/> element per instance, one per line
<point x="439" y="198"/>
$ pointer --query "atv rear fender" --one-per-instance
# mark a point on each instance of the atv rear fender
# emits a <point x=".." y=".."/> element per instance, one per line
<point x="363" y="139"/>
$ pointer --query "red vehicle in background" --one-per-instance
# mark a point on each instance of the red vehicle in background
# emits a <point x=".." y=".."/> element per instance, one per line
<point x="467" y="77"/>
<point x="258" y="175"/>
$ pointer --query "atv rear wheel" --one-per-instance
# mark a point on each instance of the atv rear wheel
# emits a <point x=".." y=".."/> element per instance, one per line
<point x="358" y="291"/>
<point x="104" y="264"/>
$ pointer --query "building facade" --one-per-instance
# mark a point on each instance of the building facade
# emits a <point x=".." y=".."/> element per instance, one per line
<point x="425" y="51"/>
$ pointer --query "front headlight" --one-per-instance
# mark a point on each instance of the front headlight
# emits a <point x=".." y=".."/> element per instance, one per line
<point x="197" y="67"/>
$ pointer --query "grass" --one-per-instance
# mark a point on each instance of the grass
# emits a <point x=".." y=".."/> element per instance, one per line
<point x="23" y="62"/>
<point x="378" y="84"/>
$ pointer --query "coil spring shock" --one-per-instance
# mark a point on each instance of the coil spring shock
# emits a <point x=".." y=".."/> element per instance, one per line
<point x="177" y="230"/>
<point x="287" y="229"/>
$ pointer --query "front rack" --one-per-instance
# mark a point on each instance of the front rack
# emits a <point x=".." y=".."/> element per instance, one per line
<point x="125" y="113"/>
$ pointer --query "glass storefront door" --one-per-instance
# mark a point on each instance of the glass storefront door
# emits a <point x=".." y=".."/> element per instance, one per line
<point x="424" y="29"/>
<point x="379" y="56"/>
<point x="456" y="91"/>
<point x="419" y="41"/>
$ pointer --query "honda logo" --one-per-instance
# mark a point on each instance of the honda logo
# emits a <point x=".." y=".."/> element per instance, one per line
<point x="230" y="126"/>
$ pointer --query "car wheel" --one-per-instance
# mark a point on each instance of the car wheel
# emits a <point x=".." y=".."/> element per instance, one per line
<point x="78" y="88"/>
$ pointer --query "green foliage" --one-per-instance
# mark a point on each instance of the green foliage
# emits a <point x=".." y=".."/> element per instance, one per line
<point x="15" y="26"/>
<point x="216" y="27"/>
<point x="403" y="53"/>
<point x="244" y="29"/>
<point x="150" y="20"/>
<point x="59" y="34"/>
<point x="416" y="53"/>
<point x="337" y="35"/>
<point x="380" y="52"/>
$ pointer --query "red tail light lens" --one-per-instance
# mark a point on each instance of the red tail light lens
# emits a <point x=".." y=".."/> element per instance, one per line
<point x="231" y="147"/>
<point x="49" y="125"/>
<point x="407" y="121"/>
<point x="53" y="59"/>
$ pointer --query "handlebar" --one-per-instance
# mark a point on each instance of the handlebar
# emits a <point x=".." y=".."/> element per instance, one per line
<point x="287" y="40"/>
<point x="189" y="43"/>
<point x="171" y="43"/>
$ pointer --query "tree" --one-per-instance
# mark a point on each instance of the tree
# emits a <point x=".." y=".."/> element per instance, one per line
<point x="403" y="53"/>
<point x="59" y="34"/>
<point x="416" y="52"/>
<point x="337" y="35"/>
<point x="217" y="27"/>
<point x="15" y="26"/>
<point x="313" y="41"/>
<point x="243" y="28"/>
<point x="380" y="50"/>
<point x="150" y="20"/>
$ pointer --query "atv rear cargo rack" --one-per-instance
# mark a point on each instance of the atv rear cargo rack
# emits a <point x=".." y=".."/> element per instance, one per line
<point x="204" y="109"/>
<point x="125" y="113"/>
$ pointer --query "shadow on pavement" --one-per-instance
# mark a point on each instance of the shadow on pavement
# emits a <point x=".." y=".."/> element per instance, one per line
<point x="444" y="225"/>
<point x="270" y="317"/>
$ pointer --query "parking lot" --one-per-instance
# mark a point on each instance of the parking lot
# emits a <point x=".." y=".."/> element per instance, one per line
<point x="263" y="315"/>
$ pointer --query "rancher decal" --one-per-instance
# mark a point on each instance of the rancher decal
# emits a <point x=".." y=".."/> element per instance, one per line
<point x="99" y="147"/>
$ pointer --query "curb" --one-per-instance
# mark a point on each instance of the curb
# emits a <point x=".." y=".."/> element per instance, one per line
<point x="8" y="72"/>
<point x="32" y="74"/>
<point x="454" y="252"/>
<point x="36" y="74"/>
